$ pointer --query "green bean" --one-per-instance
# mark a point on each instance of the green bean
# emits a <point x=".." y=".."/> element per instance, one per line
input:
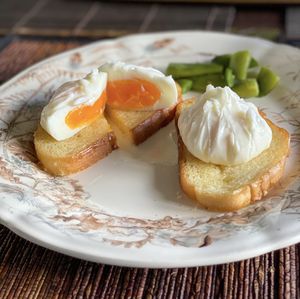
<point x="239" y="70"/>
<point x="253" y="63"/>
<point x="267" y="80"/>
<point x="247" y="88"/>
<point x="239" y="62"/>
<point x="229" y="77"/>
<point x="253" y="73"/>
<point x="185" y="70"/>
<point x="200" y="83"/>
<point x="225" y="60"/>
<point x="222" y="60"/>
<point x="185" y="84"/>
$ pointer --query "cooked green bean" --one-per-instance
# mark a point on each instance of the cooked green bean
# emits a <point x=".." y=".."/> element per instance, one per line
<point x="200" y="83"/>
<point x="223" y="60"/>
<point x="239" y="70"/>
<point x="229" y="77"/>
<point x="253" y="73"/>
<point x="267" y="80"/>
<point x="253" y="63"/>
<point x="185" y="84"/>
<point x="247" y="88"/>
<point x="239" y="62"/>
<point x="185" y="70"/>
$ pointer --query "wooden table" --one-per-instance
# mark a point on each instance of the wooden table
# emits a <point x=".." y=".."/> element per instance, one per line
<point x="30" y="271"/>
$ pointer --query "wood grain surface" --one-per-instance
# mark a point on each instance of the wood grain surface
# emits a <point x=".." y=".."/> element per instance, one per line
<point x="30" y="271"/>
<point x="103" y="18"/>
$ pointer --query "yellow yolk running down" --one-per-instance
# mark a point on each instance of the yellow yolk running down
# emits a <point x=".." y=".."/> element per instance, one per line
<point x="86" y="114"/>
<point x="132" y="94"/>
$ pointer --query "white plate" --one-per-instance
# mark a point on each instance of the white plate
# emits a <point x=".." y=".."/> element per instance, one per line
<point x="128" y="209"/>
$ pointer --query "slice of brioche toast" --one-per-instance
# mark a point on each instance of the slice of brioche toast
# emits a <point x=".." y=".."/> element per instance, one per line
<point x="137" y="126"/>
<point x="76" y="153"/>
<point x="229" y="188"/>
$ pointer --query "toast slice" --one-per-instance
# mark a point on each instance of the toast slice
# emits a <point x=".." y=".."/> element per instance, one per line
<point x="137" y="126"/>
<point x="74" y="154"/>
<point x="229" y="188"/>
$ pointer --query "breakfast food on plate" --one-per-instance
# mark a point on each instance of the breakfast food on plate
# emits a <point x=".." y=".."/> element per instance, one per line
<point x="140" y="100"/>
<point x="238" y="70"/>
<point x="73" y="132"/>
<point x="230" y="154"/>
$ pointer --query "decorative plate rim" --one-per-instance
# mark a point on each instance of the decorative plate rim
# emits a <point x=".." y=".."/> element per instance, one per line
<point x="7" y="216"/>
<point x="145" y="263"/>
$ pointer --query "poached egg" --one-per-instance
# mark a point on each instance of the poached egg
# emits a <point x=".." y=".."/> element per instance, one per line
<point x="131" y="87"/>
<point x="75" y="105"/>
<point x="221" y="128"/>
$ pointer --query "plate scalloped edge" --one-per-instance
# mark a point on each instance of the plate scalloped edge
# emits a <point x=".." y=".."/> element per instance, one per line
<point x="65" y="206"/>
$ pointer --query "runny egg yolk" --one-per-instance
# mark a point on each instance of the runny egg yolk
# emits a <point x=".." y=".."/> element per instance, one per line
<point x="132" y="94"/>
<point x="86" y="114"/>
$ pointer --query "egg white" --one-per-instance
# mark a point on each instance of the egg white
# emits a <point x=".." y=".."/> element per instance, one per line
<point x="67" y="97"/>
<point x="165" y="84"/>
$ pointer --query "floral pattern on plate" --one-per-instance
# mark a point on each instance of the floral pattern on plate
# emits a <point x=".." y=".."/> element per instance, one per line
<point x="67" y="205"/>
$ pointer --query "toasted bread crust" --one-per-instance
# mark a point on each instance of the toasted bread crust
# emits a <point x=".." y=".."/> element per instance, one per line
<point x="61" y="166"/>
<point x="239" y="198"/>
<point x="156" y="121"/>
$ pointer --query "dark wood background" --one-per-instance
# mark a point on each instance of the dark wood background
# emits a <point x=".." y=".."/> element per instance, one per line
<point x="98" y="19"/>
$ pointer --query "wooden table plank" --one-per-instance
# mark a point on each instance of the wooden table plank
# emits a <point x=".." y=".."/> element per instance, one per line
<point x="292" y="23"/>
<point x="100" y="19"/>
<point x="11" y="11"/>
